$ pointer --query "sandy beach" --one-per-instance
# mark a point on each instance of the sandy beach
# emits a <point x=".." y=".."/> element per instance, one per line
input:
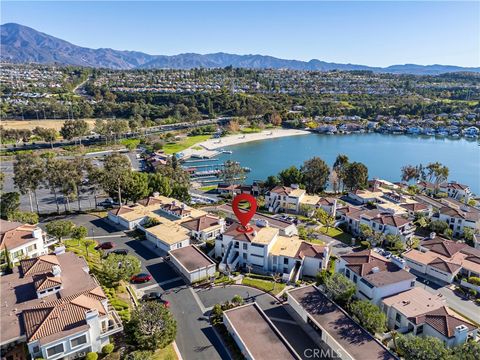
<point x="211" y="146"/>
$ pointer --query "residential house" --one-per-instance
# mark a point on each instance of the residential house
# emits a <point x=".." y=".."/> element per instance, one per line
<point x="56" y="308"/>
<point x="459" y="219"/>
<point x="22" y="241"/>
<point x="422" y="313"/>
<point x="284" y="199"/>
<point x="387" y="223"/>
<point x="206" y="227"/>
<point x="265" y="251"/>
<point x="456" y="191"/>
<point x="443" y="259"/>
<point x="375" y="276"/>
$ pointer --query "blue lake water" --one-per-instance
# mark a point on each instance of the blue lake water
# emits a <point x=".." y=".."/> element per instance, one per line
<point x="384" y="155"/>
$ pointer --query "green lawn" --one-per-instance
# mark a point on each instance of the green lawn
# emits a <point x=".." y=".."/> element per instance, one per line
<point x="78" y="247"/>
<point x="167" y="353"/>
<point x="178" y="146"/>
<point x="337" y="234"/>
<point x="208" y="188"/>
<point x="264" y="285"/>
<point x="250" y="130"/>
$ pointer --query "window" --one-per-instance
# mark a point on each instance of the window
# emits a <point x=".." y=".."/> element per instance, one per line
<point x="36" y="349"/>
<point x="79" y="341"/>
<point x="355" y="279"/>
<point x="397" y="317"/>
<point x="285" y="261"/>
<point x="244" y="256"/>
<point x="245" y="246"/>
<point x="347" y="273"/>
<point x="412" y="284"/>
<point x="54" y="350"/>
<point x="419" y="329"/>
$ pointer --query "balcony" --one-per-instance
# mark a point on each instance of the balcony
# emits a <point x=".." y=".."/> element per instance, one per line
<point x="49" y="240"/>
<point x="114" y="323"/>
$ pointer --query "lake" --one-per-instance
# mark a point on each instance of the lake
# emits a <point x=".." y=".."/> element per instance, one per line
<point x="384" y="155"/>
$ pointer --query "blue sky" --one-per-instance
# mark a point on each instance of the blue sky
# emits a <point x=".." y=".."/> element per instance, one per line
<point x="371" y="33"/>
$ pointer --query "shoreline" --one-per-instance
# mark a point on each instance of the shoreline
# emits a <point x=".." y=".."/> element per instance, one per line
<point x="213" y="144"/>
<point x="209" y="148"/>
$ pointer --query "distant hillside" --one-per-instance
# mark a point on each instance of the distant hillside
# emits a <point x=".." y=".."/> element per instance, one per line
<point x="21" y="44"/>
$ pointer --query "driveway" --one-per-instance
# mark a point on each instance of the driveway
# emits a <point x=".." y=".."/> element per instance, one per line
<point x="465" y="307"/>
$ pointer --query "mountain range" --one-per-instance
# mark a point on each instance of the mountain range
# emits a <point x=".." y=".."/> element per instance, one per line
<point x="22" y="44"/>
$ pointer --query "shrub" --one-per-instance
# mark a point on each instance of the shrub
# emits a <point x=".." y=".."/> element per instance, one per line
<point x="107" y="349"/>
<point x="472" y="292"/>
<point x="237" y="299"/>
<point x="365" y="244"/>
<point x="91" y="356"/>
<point x="139" y="355"/>
<point x="474" y="280"/>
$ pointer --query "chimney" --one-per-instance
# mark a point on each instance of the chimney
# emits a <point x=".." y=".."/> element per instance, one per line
<point x="56" y="270"/>
<point x="432" y="235"/>
<point x="375" y="269"/>
<point x="156" y="194"/>
<point x="461" y="333"/>
<point x="37" y="233"/>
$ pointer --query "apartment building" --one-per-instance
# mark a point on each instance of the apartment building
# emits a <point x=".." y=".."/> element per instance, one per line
<point x="56" y="308"/>
<point x="22" y="241"/>
<point x="375" y="276"/>
<point x="460" y="218"/>
<point x="265" y="251"/>
<point x="421" y="313"/>
<point x="443" y="259"/>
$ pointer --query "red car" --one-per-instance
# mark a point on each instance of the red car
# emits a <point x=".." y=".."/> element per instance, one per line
<point x="105" y="246"/>
<point x="141" y="278"/>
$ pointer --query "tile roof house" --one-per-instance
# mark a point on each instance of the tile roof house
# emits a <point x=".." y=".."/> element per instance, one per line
<point x="443" y="259"/>
<point x="264" y="250"/>
<point x="422" y="313"/>
<point x="284" y="199"/>
<point x="23" y="240"/>
<point x="375" y="276"/>
<point x="205" y="227"/>
<point x="460" y="218"/>
<point x="56" y="307"/>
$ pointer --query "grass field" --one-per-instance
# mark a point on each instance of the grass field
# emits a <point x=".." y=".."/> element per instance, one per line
<point x="337" y="234"/>
<point x="32" y="124"/>
<point x="167" y="353"/>
<point x="265" y="285"/>
<point x="177" y="146"/>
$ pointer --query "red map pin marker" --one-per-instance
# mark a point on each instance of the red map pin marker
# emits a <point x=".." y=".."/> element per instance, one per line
<point x="244" y="216"/>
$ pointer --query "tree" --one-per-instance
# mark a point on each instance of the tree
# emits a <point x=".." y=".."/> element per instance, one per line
<point x="271" y="182"/>
<point x="140" y="355"/>
<point x="60" y="228"/>
<point x="80" y="168"/>
<point x="74" y="129"/>
<point x="28" y="171"/>
<point x="237" y="300"/>
<point x="438" y="226"/>
<point x="421" y="348"/>
<point x="46" y="134"/>
<point x="437" y="173"/>
<point x="87" y="243"/>
<point x="2" y="180"/>
<point x="116" y="267"/>
<point x="369" y="316"/>
<point x="151" y="326"/>
<point x="339" y="166"/>
<point x="289" y="176"/>
<point x="325" y="218"/>
<point x="470" y="350"/>
<point x="136" y="186"/>
<point x="339" y="288"/>
<point x="315" y="173"/>
<point x="54" y="176"/>
<point x="159" y="183"/>
<point x="9" y="203"/>
<point x="79" y="233"/>
<point x="410" y="172"/>
<point x="118" y="168"/>
<point x="356" y="176"/>
<point x="232" y="173"/>
<point x="23" y="217"/>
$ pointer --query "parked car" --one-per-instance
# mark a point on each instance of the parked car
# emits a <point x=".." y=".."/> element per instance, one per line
<point x="107" y="203"/>
<point x="141" y="278"/>
<point x="156" y="296"/>
<point x="119" y="252"/>
<point x="105" y="246"/>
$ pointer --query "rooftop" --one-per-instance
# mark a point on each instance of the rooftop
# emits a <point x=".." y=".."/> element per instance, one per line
<point x="191" y="258"/>
<point x="202" y="223"/>
<point x="169" y="233"/>
<point x="19" y="292"/>
<point x="260" y="337"/>
<point x="259" y="235"/>
<point x="15" y="234"/>
<point x="415" y="302"/>
<point x="347" y="333"/>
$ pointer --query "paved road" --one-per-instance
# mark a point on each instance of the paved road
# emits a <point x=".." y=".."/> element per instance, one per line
<point x="466" y="307"/>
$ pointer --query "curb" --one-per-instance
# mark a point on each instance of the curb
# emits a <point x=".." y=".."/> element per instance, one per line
<point x="175" y="348"/>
